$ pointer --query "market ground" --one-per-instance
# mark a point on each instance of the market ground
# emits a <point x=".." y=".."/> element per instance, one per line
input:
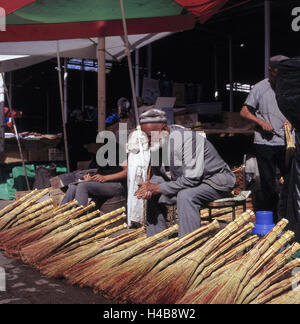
<point x="25" y="285"/>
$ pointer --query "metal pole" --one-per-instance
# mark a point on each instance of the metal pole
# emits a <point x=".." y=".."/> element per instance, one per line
<point x="16" y="130"/>
<point x="130" y="66"/>
<point x="101" y="84"/>
<point x="216" y="95"/>
<point x="2" y="104"/>
<point x="62" y="107"/>
<point x="82" y="88"/>
<point x="149" y="60"/>
<point x="66" y="89"/>
<point x="267" y="36"/>
<point x="137" y="72"/>
<point x="231" y="74"/>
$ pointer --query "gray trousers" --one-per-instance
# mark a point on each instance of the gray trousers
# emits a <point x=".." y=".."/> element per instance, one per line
<point x="91" y="189"/>
<point x="189" y="202"/>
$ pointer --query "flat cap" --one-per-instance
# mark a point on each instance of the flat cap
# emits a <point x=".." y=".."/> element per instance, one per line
<point x="153" y="116"/>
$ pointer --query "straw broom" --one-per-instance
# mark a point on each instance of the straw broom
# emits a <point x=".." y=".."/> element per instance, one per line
<point x="195" y="290"/>
<point x="9" y="234"/>
<point x="277" y="289"/>
<point x="101" y="265"/>
<point x="128" y="295"/>
<point x="57" y="264"/>
<point x="49" y="223"/>
<point x="78" y="273"/>
<point x="290" y="145"/>
<point x="36" y="251"/>
<point x="170" y="260"/>
<point x="33" y="210"/>
<point x="227" y="284"/>
<point x="225" y="246"/>
<point x="269" y="254"/>
<point x="16" y="203"/>
<point x="279" y="261"/>
<point x="51" y="226"/>
<point x="136" y="268"/>
<point x="103" y="224"/>
<point x="170" y="284"/>
<point x="279" y="274"/>
<point x="7" y="218"/>
<point x="290" y="298"/>
<point x="97" y="238"/>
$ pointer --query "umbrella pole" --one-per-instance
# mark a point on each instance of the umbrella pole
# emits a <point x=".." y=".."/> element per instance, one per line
<point x="62" y="108"/>
<point x="130" y="66"/>
<point x="16" y="130"/>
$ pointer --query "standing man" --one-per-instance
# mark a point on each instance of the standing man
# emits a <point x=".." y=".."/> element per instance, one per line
<point x="186" y="170"/>
<point x="269" y="140"/>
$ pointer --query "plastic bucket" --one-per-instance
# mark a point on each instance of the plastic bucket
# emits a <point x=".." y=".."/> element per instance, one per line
<point x="264" y="223"/>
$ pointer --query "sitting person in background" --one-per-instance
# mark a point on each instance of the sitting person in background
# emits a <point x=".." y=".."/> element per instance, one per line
<point x="108" y="182"/>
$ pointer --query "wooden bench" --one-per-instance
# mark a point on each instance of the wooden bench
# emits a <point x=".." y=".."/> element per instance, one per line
<point x="226" y="204"/>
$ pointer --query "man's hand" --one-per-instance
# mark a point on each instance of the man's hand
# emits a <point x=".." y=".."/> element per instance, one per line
<point x="87" y="177"/>
<point x="267" y="127"/>
<point x="147" y="190"/>
<point x="98" y="178"/>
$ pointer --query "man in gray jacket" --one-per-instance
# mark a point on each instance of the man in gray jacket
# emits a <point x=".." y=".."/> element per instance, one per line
<point x="186" y="170"/>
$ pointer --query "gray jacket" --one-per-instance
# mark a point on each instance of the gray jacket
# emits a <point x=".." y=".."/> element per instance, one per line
<point x="189" y="159"/>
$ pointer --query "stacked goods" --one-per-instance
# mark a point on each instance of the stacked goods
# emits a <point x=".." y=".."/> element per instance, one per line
<point x="209" y="265"/>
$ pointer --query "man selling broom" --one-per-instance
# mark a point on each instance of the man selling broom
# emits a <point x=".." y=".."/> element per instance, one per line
<point x="186" y="170"/>
<point x="269" y="140"/>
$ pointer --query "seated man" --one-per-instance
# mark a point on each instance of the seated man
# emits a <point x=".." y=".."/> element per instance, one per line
<point x="189" y="172"/>
<point x="109" y="181"/>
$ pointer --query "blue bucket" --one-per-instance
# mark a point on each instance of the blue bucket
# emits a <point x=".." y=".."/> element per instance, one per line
<point x="264" y="223"/>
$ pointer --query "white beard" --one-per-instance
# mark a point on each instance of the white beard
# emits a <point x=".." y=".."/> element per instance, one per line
<point x="157" y="144"/>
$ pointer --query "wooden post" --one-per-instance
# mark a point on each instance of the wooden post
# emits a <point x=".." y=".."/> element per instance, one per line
<point x="101" y="84"/>
<point x="267" y="36"/>
<point x="2" y="103"/>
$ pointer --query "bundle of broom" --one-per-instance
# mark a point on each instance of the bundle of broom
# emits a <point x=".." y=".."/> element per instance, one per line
<point x="290" y="145"/>
<point x="8" y="218"/>
<point x="36" y="251"/>
<point x="16" y="203"/>
<point x="57" y="264"/>
<point x="35" y="222"/>
<point x="102" y="265"/>
<point x="70" y="254"/>
<point x="50" y="225"/>
<point x="226" y="284"/>
<point x="130" y="272"/>
<point x="257" y="284"/>
<point x="290" y="298"/>
<point x="78" y="271"/>
<point x="171" y="283"/>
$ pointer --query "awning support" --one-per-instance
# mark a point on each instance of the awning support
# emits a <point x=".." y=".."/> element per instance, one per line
<point x="62" y="108"/>
<point x="15" y="130"/>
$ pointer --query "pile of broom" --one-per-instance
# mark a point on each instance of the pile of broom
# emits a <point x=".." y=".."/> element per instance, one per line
<point x="210" y="265"/>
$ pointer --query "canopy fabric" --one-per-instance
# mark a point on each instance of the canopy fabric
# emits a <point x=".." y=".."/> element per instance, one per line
<point x="62" y="19"/>
<point x="19" y="55"/>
